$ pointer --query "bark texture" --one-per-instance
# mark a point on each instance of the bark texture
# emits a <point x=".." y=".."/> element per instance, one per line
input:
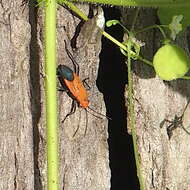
<point x="16" y="141"/>
<point x="165" y="161"/>
<point x="83" y="158"/>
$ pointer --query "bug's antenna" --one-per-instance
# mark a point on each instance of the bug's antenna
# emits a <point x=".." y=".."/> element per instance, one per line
<point x="85" y="126"/>
<point x="97" y="113"/>
<point x="188" y="102"/>
<point x="93" y="114"/>
<point x="76" y="131"/>
<point x="185" y="130"/>
<point x="184" y="117"/>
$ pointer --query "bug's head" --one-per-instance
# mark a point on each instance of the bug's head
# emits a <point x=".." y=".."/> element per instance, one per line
<point x="65" y="72"/>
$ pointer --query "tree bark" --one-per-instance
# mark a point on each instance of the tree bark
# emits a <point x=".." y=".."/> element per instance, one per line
<point x="164" y="161"/>
<point x="83" y="157"/>
<point x="16" y="141"/>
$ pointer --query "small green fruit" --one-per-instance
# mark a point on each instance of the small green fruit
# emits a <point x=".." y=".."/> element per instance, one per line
<point x="171" y="62"/>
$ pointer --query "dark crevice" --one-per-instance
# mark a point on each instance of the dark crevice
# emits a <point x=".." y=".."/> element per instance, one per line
<point x="111" y="81"/>
<point x="35" y="90"/>
<point x="16" y="171"/>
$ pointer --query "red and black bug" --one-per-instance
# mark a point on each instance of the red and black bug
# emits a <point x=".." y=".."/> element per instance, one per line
<point x="71" y="83"/>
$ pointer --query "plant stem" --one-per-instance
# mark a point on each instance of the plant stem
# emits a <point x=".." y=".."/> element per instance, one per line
<point x="74" y="9"/>
<point x="145" y="61"/>
<point x="132" y="121"/>
<point x="50" y="93"/>
<point x="140" y="3"/>
<point x="135" y="19"/>
<point x="125" y="48"/>
<point x="185" y="77"/>
<point x="151" y="27"/>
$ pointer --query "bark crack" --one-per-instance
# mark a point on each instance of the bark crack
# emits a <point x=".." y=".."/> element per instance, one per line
<point x="16" y="170"/>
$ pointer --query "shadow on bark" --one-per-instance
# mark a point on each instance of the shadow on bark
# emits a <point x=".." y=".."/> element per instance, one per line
<point x="111" y="81"/>
<point x="35" y="90"/>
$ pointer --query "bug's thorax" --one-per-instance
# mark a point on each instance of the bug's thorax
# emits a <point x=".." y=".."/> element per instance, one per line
<point x="65" y="72"/>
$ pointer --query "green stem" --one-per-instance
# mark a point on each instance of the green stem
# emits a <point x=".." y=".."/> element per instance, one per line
<point x="140" y="3"/>
<point x="186" y="77"/>
<point x="126" y="49"/>
<point x="135" y="18"/>
<point x="50" y="93"/>
<point x="151" y="27"/>
<point x="74" y="9"/>
<point x="145" y="61"/>
<point x="132" y="121"/>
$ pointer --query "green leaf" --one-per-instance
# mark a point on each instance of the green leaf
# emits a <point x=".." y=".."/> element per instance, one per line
<point x="166" y="15"/>
<point x="175" y="26"/>
<point x="112" y="22"/>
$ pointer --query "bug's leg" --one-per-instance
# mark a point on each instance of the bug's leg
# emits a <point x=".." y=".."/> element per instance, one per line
<point x="76" y="131"/>
<point x="85" y="126"/>
<point x="181" y="124"/>
<point x="75" y="64"/>
<point x="185" y="129"/>
<point x="72" y="111"/>
<point x="86" y="85"/>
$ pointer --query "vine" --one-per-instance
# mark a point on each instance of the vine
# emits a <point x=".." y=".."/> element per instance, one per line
<point x="138" y="3"/>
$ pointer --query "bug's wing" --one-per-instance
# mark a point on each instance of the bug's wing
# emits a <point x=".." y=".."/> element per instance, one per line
<point x="186" y="118"/>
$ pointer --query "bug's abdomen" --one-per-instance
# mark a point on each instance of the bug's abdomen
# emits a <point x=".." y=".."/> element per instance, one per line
<point x="78" y="90"/>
